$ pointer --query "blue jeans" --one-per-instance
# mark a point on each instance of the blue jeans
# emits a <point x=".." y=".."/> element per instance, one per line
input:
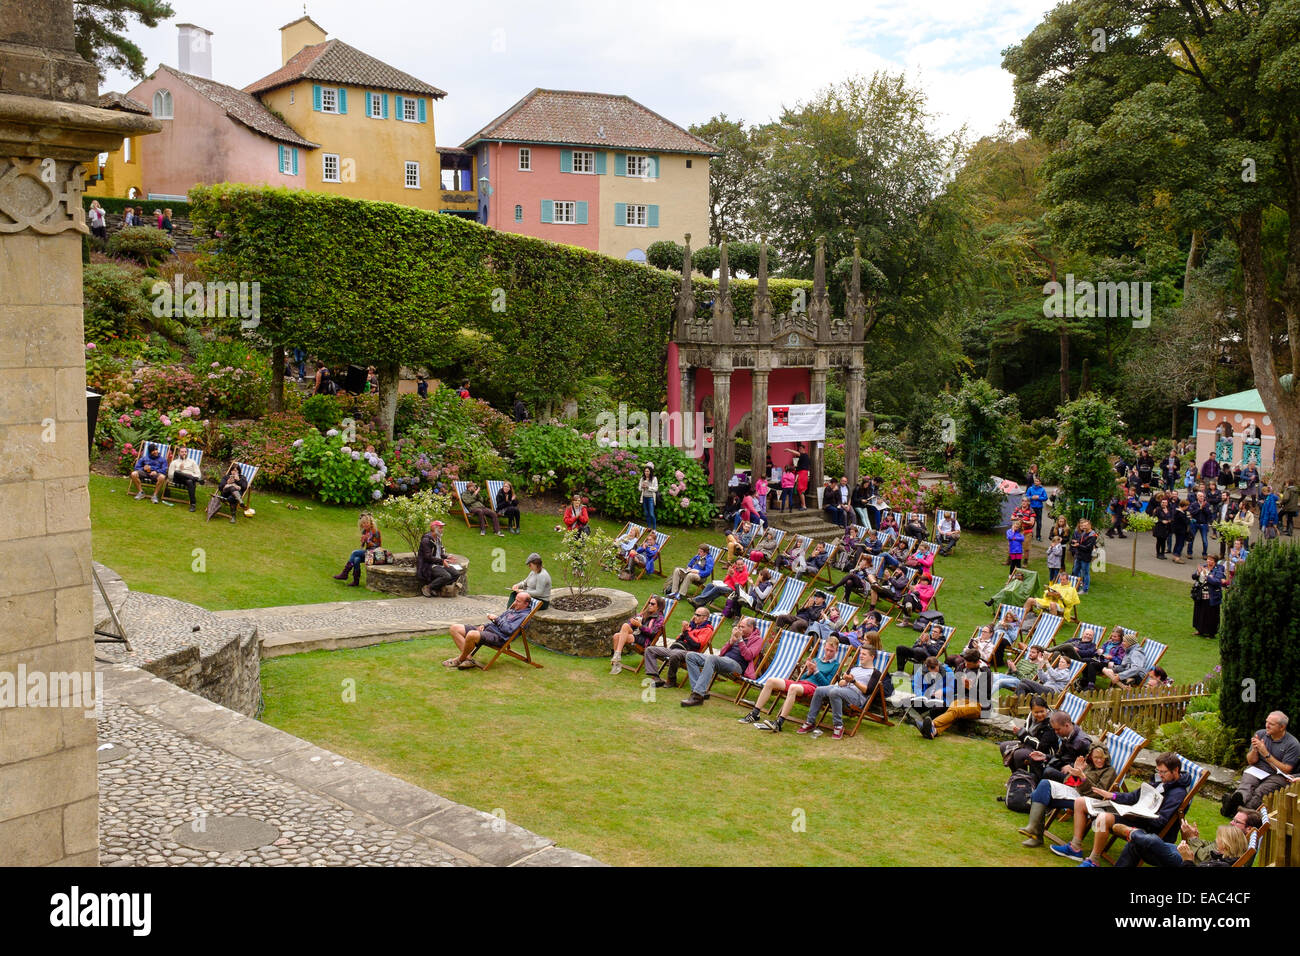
<point x="1082" y="570"/>
<point x="1006" y="680"/>
<point x="837" y="696"/>
<point x="357" y="557"/>
<point x="1192" y="530"/>
<point x="702" y="667"/>
<point x="710" y="592"/>
<point x="1043" y="794"/>
<point x="648" y="509"/>
<point x="787" y="499"/>
<point x="1149" y="848"/>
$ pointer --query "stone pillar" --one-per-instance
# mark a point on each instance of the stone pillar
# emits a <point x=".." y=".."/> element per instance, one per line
<point x="723" y="465"/>
<point x="818" y="397"/>
<point x="853" y="420"/>
<point x="688" y="396"/>
<point x="758" y="416"/>
<point x="48" y="128"/>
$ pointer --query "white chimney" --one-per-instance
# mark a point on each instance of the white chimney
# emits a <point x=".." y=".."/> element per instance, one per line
<point x="194" y="50"/>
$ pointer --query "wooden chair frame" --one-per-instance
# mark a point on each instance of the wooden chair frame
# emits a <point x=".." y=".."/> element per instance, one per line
<point x="518" y="634"/>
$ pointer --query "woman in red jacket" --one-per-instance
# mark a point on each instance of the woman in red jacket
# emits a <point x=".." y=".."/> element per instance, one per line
<point x="575" y="516"/>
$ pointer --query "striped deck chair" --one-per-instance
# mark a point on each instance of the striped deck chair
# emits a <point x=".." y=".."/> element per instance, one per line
<point x="993" y="655"/>
<point x="1074" y="705"/>
<point x="909" y="541"/>
<point x="780" y="660"/>
<point x="1154" y="650"/>
<point x="459" y="488"/>
<point x="827" y="564"/>
<point x="921" y="518"/>
<point x="777" y="579"/>
<point x="1256" y="837"/>
<point x="1045" y="629"/>
<point x="841" y="659"/>
<point x="780" y="540"/>
<point x="898" y="520"/>
<point x="936" y="580"/>
<point x="249" y="472"/>
<point x="195" y="455"/>
<point x="1070" y="579"/>
<point x="1098" y="632"/>
<point x="1076" y="668"/>
<point x="493" y="487"/>
<point x="787" y="599"/>
<point x="527" y="655"/>
<point x="762" y="627"/>
<point x="847" y="613"/>
<point x="661" y="539"/>
<point x="1199" y="775"/>
<point x="1123" y="747"/>
<point x="670" y="605"/>
<point x="874" y="709"/>
<point x="163" y="452"/>
<point x="1002" y="610"/>
<point x="715" y="620"/>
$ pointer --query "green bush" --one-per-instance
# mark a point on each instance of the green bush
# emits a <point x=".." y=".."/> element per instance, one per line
<point x="322" y="411"/>
<point x="336" y="471"/>
<point x="145" y="244"/>
<point x="114" y="301"/>
<point x="268" y="443"/>
<point x="665" y="254"/>
<point x="557" y="457"/>
<point x="1202" y="737"/>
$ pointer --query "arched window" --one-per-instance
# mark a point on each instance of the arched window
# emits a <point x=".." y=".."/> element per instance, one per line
<point x="162" y="104"/>
<point x="519" y="213"/>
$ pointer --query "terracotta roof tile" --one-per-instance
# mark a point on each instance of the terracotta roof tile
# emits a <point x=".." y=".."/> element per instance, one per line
<point x="335" y="62"/>
<point x="120" y="101"/>
<point x="244" y="108"/>
<point x="580" y="119"/>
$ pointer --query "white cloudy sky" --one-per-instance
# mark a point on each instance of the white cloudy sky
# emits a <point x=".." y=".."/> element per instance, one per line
<point x="686" y="59"/>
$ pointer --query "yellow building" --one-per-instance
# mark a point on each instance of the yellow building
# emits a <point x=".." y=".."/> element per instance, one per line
<point x="118" y="174"/>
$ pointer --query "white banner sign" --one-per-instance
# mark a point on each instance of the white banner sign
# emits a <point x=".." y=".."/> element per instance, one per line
<point x="796" y="423"/>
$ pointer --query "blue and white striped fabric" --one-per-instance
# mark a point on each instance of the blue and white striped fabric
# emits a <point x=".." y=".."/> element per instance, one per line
<point x="1017" y="612"/>
<point x="762" y="627"/>
<point x="1074" y="705"/>
<point x="1074" y="582"/>
<point x="493" y="489"/>
<point x="1076" y="668"/>
<point x="460" y="487"/>
<point x="789" y="596"/>
<point x="1098" y="632"/>
<point x="1044" y="630"/>
<point x="1122" y="747"/>
<point x="669" y="603"/>
<point x="847" y="611"/>
<point x="882" y="662"/>
<point x="196" y="455"/>
<point x="908" y="540"/>
<point x="1153" y="650"/>
<point x="715" y="553"/>
<point x="935" y="581"/>
<point x="898" y="520"/>
<point x="1124" y="630"/>
<point x="877" y="561"/>
<point x="715" y="620"/>
<point x="789" y="648"/>
<point x="249" y="472"/>
<point x="939" y="516"/>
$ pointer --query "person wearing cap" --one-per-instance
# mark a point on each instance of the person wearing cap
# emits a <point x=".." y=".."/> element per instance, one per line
<point x="431" y="568"/>
<point x="1133" y="667"/>
<point x="537" y="584"/>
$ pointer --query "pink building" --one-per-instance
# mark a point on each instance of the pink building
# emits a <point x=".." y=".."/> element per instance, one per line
<point x="1238" y="411"/>
<point x="524" y="200"/>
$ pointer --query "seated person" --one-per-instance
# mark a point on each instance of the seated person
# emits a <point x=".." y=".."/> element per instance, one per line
<point x="855" y="579"/>
<point x="1026" y="670"/>
<point x="1081" y="647"/>
<point x="1048" y="679"/>
<point x="831" y="504"/>
<point x="1084" y="778"/>
<point x="868" y="628"/>
<point x="432" y="569"/>
<point x="1170" y="782"/>
<point x="697" y="571"/>
<point x="739" y="540"/>
<point x="1273" y="753"/>
<point x="922" y="559"/>
<point x="846" y="555"/>
<point x="812" y="610"/>
<point x="766" y="548"/>
<point x="891" y="586"/>
<point x="740" y="655"/>
<point x="696" y="635"/>
<point x="927" y="644"/>
<point x="477" y="508"/>
<point x="184" y="472"/>
<point x="1230" y="844"/>
<point x="639" y="631"/>
<point x="494" y="633"/>
<point x="887" y="524"/>
<point x="932" y="685"/>
<point x="151" y="468"/>
<point x="628" y="540"/>
<point x="1132" y="668"/>
<point x="972" y="696"/>
<point x="871" y="544"/>
<point x="915" y="599"/>
<point x="231" y="489"/>
<point x="818" y="671"/>
<point x="1036" y="736"/>
<point x="826" y="625"/>
<point x="642" y="556"/>
<point x="895" y="557"/>
<point x="575" y="517"/>
<point x="795" y="558"/>
<point x="1204" y="851"/>
<point x="737" y="576"/>
<point x="946" y="534"/>
<point x="1056" y="600"/>
<point x="817" y="557"/>
<point x="753" y="597"/>
<point x="1071" y="744"/>
<point x="1108" y="655"/>
<point x="538" y="583"/>
<point x="854" y="689"/>
<point x="986" y="643"/>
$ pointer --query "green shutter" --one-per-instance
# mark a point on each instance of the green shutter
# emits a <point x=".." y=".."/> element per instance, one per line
<point x="548" y="210"/>
<point x="566" y="160"/>
<point x="600" y="163"/>
<point x="655" y="169"/>
<point x="365" y="101"/>
<point x="343" y="100"/>
<point x="315" y="97"/>
<point x="279" y="154"/>
<point x="295" y="162"/>
<point x="620" y="214"/>
<point x="620" y="164"/>
<point x="652" y="216"/>
<point x="385" y="106"/>
<point x="397" y="107"/>
<point x="582" y="212"/>
<point x="422" y="116"/>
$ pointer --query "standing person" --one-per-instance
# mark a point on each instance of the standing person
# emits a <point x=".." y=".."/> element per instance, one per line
<point x="1181" y="524"/>
<point x="300" y="361"/>
<point x="370" y="539"/>
<point x="520" y="411"/>
<point x="1015" y="545"/>
<point x="1036" y="495"/>
<point x="1118" y="512"/>
<point x="788" y="480"/>
<point x="802" y="467"/>
<point x="1208" y="582"/>
<point x="648" y="486"/>
<point x="1171" y="467"/>
<point x="1246" y="518"/>
<point x="508" y="507"/>
<point x="128" y="218"/>
<point x="98" y="221"/>
<point x="1290" y="505"/>
<point x="1082" y="543"/>
<point x="421" y="386"/>
<point x="166" y="224"/>
<point x="1200" y="515"/>
<point x="1055" y="557"/>
<point x="1269" y="514"/>
<point x="464" y="390"/>
<point x="1164" y="527"/>
<point x="158" y="218"/>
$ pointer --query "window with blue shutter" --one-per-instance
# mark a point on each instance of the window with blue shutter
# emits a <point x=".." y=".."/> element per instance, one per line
<point x="620" y="214"/>
<point x="397" y="107"/>
<point x="315" y="97"/>
<point x="566" y="160"/>
<point x="582" y="212"/>
<point x="295" y="161"/>
<point x="620" y="164"/>
<point x="652" y="216"/>
<point x="655" y="170"/>
<point x="279" y="158"/>
<point x="423" y="117"/>
<point x="548" y="210"/>
<point x="385" y="106"/>
<point x="600" y="163"/>
<point x="343" y="100"/>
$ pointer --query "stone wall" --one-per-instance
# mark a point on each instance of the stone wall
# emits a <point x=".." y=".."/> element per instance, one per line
<point x="231" y="676"/>
<point x="182" y="230"/>
<point x="582" y="633"/>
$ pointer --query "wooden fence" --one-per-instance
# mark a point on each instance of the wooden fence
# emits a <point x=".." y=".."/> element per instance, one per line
<point x="1280" y="845"/>
<point x="1142" y="708"/>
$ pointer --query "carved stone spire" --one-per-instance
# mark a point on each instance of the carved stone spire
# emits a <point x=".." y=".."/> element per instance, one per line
<point x="762" y="299"/>
<point x="855" y="303"/>
<point x="819" y="309"/>
<point x="684" y="307"/>
<point x="724" y="323"/>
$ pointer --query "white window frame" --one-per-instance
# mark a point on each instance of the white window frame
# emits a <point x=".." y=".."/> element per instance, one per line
<point x="329" y="99"/>
<point x="375" y="105"/>
<point x="126" y="149"/>
<point x="163" y="105"/>
<point x="569" y="206"/>
<point x="410" y="105"/>
<point x="519" y="212"/>
<point x="641" y="162"/>
<point x="525" y="159"/>
<point x="324" y="168"/>
<point x="406" y="174"/>
<point x="291" y="97"/>
<point x="588" y="158"/>
<point x="631" y="213"/>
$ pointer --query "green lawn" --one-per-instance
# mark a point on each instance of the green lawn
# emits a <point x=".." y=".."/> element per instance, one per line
<point x="583" y="757"/>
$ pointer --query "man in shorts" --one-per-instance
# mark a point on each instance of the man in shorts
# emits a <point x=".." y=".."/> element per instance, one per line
<point x="493" y="634"/>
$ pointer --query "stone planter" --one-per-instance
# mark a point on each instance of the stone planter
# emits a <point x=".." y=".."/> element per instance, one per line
<point x="399" y="578"/>
<point x="582" y="633"/>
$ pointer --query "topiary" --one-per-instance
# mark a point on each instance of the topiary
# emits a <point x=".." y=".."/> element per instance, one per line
<point x="322" y="411"/>
<point x="1259" y="639"/>
<point x="144" y="244"/>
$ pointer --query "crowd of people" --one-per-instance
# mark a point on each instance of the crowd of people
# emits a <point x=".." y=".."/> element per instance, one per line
<point x="158" y="468"/>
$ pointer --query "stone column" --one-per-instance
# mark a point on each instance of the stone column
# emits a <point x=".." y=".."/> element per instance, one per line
<point x="723" y="465"/>
<point x="818" y="396"/>
<point x="48" y="128"/>
<point x="758" y="431"/>
<point x="853" y="420"/>
<point x="688" y="399"/>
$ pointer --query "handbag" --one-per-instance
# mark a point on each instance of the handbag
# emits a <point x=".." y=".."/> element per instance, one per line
<point x="379" y="556"/>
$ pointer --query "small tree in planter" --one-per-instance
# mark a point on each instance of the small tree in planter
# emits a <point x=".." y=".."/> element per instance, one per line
<point x="1138" y="522"/>
<point x="583" y="556"/>
<point x="410" y="515"/>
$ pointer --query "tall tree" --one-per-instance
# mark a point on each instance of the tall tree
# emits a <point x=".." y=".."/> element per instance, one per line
<point x="1173" y="117"/>
<point x="101" y="32"/>
<point x="731" y="178"/>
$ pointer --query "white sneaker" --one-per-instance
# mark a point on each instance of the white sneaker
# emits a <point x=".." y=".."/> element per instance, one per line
<point x="154" y="499"/>
<point x="139" y="496"/>
<point x="616" y="666"/>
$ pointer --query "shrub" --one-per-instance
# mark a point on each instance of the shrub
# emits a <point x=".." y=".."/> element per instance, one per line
<point x="687" y="497"/>
<point x="170" y="387"/>
<point x="583" y="556"/>
<point x="144" y="244"/>
<point x="322" y="411"/>
<point x="539" y="449"/>
<point x="1089" y="435"/>
<point x="1202" y="737"/>
<point x="410" y="516"/>
<point x="1259" y="639"/>
<point x="114" y="301"/>
<point x="234" y="391"/>
<point x="337" y="472"/>
<point x="665" y="254"/>
<point x="267" y="443"/>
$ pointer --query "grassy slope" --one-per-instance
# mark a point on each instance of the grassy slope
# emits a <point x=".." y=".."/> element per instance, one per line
<point x="581" y="756"/>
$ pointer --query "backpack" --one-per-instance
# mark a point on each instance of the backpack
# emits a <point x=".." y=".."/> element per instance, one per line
<point x="329" y="388"/>
<point x="1020" y="788"/>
